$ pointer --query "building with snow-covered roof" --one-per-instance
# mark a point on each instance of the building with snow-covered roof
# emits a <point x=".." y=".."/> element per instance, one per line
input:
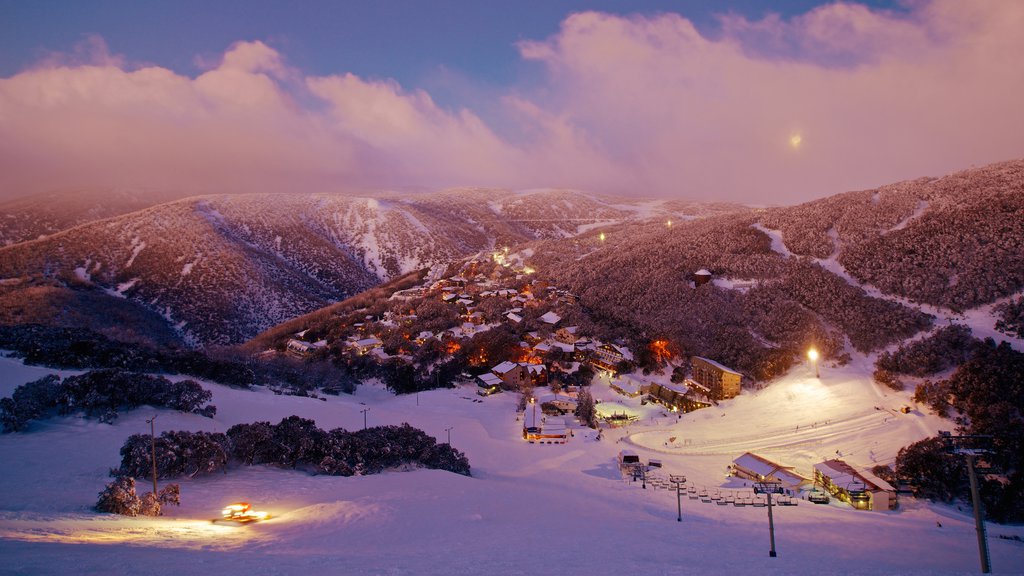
<point x="550" y="318"/>
<point x="677" y="397"/>
<point x="753" y="467"/>
<point x="860" y="489"/>
<point x="515" y="376"/>
<point x="298" y="347"/>
<point x="607" y="357"/>
<point x="722" y="382"/>
<point x="367" y="344"/>
<point x="701" y="277"/>
<point x="566" y="335"/>
<point x="489" y="383"/>
<point x="628" y="385"/>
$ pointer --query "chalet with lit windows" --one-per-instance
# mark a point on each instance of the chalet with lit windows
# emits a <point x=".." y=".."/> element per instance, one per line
<point x="721" y="382"/>
<point x="488" y="383"/>
<point x="677" y="397"/>
<point x="607" y="357"/>
<point x="517" y="375"/>
<point x="750" y="466"/>
<point x="860" y="489"/>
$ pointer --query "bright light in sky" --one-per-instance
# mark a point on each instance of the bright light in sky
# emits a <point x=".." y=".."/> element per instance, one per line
<point x="683" y="99"/>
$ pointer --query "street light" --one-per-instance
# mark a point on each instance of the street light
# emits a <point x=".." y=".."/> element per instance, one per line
<point x="364" y="411"/>
<point x="812" y="354"/>
<point x="678" y="480"/>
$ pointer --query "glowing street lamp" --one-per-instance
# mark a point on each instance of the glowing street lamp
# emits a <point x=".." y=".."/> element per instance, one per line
<point x="601" y="237"/>
<point x="812" y="355"/>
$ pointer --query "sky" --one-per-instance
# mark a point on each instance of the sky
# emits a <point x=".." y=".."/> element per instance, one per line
<point x="764" y="103"/>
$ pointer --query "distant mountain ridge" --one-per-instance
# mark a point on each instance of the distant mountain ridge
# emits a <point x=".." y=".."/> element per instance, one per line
<point x="30" y="217"/>
<point x="219" y="269"/>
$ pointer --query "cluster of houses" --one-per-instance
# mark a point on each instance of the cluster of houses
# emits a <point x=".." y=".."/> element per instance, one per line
<point x="709" y="383"/>
<point x="858" y="488"/>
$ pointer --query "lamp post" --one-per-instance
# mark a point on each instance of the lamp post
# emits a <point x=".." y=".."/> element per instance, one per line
<point x="449" y="431"/>
<point x="768" y="488"/>
<point x="533" y="401"/>
<point x="364" y="411"/>
<point x="152" y="445"/>
<point x="812" y="355"/>
<point x="678" y="480"/>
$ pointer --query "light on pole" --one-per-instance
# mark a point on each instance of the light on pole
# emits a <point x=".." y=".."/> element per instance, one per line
<point x="533" y="401"/>
<point x="152" y="445"/>
<point x="364" y="411"/>
<point x="812" y="355"/>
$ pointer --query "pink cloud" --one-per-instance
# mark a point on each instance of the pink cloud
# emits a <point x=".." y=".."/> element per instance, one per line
<point x="642" y="105"/>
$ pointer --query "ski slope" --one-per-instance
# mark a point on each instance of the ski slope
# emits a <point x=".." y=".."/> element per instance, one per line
<point x="528" y="509"/>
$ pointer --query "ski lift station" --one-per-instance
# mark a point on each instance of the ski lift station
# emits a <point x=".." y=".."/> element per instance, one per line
<point x="862" y="490"/>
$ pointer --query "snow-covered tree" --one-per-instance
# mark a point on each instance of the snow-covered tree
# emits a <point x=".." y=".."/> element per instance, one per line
<point x="586" y="410"/>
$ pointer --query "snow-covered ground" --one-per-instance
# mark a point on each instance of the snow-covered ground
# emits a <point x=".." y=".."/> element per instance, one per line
<point x="528" y="509"/>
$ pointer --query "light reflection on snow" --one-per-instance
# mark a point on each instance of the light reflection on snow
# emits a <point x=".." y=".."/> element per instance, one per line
<point x="169" y="533"/>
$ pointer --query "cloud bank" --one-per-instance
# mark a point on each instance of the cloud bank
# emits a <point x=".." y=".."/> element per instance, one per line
<point x="770" y="111"/>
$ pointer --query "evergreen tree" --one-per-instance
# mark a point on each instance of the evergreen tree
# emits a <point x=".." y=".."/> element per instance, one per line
<point x="586" y="410"/>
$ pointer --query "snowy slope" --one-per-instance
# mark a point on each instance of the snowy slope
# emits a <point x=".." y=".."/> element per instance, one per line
<point x="220" y="269"/>
<point x="529" y="509"/>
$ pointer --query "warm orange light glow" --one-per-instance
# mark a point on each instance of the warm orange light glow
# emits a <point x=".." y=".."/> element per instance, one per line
<point x="812" y="354"/>
<point x="240" y="512"/>
<point x="669" y="223"/>
<point x="452" y="347"/>
<point x="659" y="349"/>
<point x="601" y="237"/>
<point x="795" y="140"/>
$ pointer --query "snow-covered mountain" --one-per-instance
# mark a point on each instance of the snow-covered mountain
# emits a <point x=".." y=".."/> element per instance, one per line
<point x="864" y="270"/>
<point x="29" y="217"/>
<point x="220" y="269"/>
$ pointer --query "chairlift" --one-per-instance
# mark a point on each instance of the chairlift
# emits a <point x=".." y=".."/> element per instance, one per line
<point x="859" y="495"/>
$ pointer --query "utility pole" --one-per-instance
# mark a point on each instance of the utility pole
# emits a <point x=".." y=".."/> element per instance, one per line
<point x="449" y="431"/>
<point x="768" y="488"/>
<point x="364" y="411"/>
<point x="152" y="445"/>
<point x="678" y="480"/>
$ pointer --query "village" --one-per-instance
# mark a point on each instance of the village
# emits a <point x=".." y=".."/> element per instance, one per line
<point x="554" y="366"/>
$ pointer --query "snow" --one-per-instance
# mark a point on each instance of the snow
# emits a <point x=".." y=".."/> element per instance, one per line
<point x="979" y="320"/>
<point x="778" y="245"/>
<point x="124" y="287"/>
<point x="922" y="205"/>
<point x="137" y="247"/>
<point x="531" y="509"/>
